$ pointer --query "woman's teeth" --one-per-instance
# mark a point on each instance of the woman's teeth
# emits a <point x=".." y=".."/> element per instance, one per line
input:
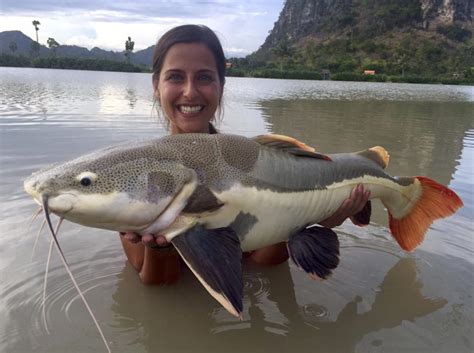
<point x="189" y="109"/>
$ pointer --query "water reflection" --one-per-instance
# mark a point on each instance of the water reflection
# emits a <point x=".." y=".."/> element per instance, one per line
<point x="273" y="314"/>
<point x="131" y="97"/>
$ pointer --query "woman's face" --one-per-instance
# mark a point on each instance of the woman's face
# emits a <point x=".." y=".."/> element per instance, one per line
<point x="188" y="88"/>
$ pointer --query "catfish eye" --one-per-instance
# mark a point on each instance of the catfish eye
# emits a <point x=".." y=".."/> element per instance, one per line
<point x="86" y="181"/>
<point x="86" y="178"/>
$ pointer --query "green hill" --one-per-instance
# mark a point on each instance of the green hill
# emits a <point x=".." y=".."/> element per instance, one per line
<point x="407" y="38"/>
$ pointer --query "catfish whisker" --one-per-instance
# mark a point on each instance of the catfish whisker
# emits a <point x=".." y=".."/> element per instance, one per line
<point x="68" y="270"/>
<point x="37" y="212"/>
<point x="45" y="282"/>
<point x="36" y="239"/>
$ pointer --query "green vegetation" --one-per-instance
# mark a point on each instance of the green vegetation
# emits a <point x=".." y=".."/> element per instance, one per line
<point x="13" y="46"/>
<point x="455" y="32"/>
<point x="68" y="63"/>
<point x="409" y="56"/>
<point x="129" y="44"/>
<point x="36" y="23"/>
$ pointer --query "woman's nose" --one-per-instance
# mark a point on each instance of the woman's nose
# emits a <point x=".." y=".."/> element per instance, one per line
<point x="190" y="90"/>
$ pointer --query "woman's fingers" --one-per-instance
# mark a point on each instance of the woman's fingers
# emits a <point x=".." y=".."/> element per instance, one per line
<point x="131" y="237"/>
<point x="149" y="240"/>
<point x="154" y="241"/>
<point x="351" y="206"/>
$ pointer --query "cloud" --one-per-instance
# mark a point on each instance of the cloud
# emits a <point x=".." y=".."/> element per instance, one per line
<point x="241" y="25"/>
<point x="137" y="9"/>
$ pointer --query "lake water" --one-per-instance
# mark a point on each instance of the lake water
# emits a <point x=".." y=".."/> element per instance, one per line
<point x="380" y="298"/>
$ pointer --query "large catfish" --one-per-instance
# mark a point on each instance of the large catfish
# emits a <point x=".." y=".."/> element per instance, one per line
<point x="214" y="196"/>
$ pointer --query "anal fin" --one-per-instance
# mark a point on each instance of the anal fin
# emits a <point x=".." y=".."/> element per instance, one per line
<point x="315" y="250"/>
<point x="214" y="256"/>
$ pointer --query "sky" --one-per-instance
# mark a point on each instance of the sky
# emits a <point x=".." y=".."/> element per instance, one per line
<point x="241" y="25"/>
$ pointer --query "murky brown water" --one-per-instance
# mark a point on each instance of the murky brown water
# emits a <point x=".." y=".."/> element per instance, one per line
<point x="380" y="298"/>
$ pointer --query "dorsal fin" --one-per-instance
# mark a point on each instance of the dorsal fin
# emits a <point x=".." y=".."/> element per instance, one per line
<point x="377" y="154"/>
<point x="290" y="145"/>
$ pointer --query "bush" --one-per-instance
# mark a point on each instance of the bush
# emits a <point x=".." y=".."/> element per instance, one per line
<point x="14" y="61"/>
<point x="235" y="72"/>
<point x="291" y="74"/>
<point x="413" y="79"/>
<point x="84" y="64"/>
<point x="453" y="81"/>
<point x="350" y="76"/>
<point x="455" y="32"/>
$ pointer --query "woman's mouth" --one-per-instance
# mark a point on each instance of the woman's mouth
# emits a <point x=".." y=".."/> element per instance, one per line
<point x="190" y="109"/>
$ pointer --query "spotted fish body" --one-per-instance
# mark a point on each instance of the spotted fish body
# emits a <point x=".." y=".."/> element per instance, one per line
<point x="257" y="191"/>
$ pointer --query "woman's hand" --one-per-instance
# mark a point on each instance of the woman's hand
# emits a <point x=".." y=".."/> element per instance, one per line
<point x="153" y="257"/>
<point x="149" y="240"/>
<point x="351" y="206"/>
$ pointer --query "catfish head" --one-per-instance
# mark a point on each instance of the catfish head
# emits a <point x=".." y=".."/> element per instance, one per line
<point x="123" y="188"/>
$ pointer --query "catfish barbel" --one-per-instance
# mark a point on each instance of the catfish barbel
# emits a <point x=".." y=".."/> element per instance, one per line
<point x="215" y="196"/>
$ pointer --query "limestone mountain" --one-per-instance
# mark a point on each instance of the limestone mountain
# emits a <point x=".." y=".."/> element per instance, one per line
<point x="321" y="20"/>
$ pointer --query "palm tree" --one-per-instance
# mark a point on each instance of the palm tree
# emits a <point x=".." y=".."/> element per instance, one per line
<point x="36" y="23"/>
<point x="129" y="44"/>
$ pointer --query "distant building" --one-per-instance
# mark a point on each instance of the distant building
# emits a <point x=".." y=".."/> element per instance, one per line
<point x="325" y="74"/>
<point x="369" y="72"/>
<point x="228" y="65"/>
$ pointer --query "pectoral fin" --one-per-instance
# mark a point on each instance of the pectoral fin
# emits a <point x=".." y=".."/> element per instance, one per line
<point x="315" y="250"/>
<point x="214" y="256"/>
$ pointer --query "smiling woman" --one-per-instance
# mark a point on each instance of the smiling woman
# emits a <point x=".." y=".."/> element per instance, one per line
<point x="188" y="82"/>
<point x="189" y="88"/>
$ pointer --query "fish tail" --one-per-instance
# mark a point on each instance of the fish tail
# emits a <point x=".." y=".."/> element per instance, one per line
<point x="425" y="201"/>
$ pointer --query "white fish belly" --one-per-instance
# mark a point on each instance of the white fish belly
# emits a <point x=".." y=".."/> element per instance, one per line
<point x="281" y="214"/>
<point x="277" y="214"/>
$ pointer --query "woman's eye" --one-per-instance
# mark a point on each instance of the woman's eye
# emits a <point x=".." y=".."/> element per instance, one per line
<point x="175" y="77"/>
<point x="205" y="78"/>
<point x="86" y="181"/>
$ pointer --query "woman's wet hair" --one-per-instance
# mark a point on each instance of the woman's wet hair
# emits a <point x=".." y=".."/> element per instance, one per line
<point x="190" y="34"/>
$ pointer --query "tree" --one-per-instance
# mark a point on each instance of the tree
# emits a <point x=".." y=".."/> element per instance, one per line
<point x="35" y="48"/>
<point x="13" y="47"/>
<point x="129" y="44"/>
<point x="52" y="44"/>
<point x="283" y="52"/>
<point x="36" y="23"/>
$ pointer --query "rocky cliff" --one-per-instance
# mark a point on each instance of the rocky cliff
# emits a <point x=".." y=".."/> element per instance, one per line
<point x="320" y="20"/>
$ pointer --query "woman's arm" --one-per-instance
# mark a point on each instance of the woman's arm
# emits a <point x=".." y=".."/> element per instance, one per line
<point x="156" y="265"/>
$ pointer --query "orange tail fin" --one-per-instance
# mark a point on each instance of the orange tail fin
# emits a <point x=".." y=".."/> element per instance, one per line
<point x="436" y="201"/>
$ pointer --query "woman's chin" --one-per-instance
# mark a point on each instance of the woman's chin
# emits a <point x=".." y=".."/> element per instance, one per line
<point x="193" y="124"/>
